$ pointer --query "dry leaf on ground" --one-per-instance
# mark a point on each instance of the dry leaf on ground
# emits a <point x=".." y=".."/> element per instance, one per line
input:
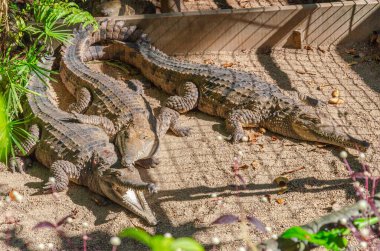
<point x="281" y="181"/>
<point x="336" y="101"/>
<point x="321" y="50"/>
<point x="226" y="65"/>
<point x="280" y="201"/>
<point x="335" y="93"/>
<point x="255" y="164"/>
<point x="351" y="51"/>
<point x="308" y="47"/>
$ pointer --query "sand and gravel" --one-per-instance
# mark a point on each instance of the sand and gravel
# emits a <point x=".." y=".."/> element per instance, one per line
<point x="194" y="168"/>
<point x="194" y="5"/>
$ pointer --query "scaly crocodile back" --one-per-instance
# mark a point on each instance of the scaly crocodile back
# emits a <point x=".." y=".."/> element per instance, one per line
<point x="61" y="140"/>
<point x="110" y="96"/>
<point x="221" y="90"/>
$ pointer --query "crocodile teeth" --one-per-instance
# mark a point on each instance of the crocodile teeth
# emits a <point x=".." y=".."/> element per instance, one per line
<point x="131" y="197"/>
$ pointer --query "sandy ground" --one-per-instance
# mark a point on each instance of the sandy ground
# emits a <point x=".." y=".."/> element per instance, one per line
<point x="193" y="5"/>
<point x="194" y="168"/>
<point x="139" y="7"/>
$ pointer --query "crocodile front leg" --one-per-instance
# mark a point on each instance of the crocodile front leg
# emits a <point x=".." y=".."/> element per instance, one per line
<point x="185" y="101"/>
<point x="62" y="172"/>
<point x="308" y="100"/>
<point x="148" y="163"/>
<point x="239" y="118"/>
<point x="83" y="99"/>
<point x="99" y="121"/>
<point x="29" y="145"/>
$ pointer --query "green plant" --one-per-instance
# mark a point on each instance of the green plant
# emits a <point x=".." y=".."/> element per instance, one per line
<point x="33" y="30"/>
<point x="331" y="239"/>
<point x="4" y="14"/>
<point x="48" y="13"/>
<point x="160" y="242"/>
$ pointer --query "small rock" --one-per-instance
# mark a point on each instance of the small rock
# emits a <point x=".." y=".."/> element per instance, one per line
<point x="215" y="240"/>
<point x="227" y="65"/>
<point x="255" y="164"/>
<point x="335" y="93"/>
<point x="264" y="199"/>
<point x="336" y="101"/>
<point x="280" y="201"/>
<point x="115" y="241"/>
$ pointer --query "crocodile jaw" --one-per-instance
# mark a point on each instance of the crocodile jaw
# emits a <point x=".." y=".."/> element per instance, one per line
<point x="129" y="198"/>
<point x="329" y="135"/>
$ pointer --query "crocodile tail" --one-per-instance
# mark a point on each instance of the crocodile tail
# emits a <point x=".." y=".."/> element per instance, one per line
<point x="118" y="30"/>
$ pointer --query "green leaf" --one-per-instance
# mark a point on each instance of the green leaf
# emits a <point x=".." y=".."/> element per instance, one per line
<point x="161" y="243"/>
<point x="298" y="233"/>
<point x="365" y="222"/>
<point x="332" y="240"/>
<point x="186" y="244"/>
<point x="138" y="235"/>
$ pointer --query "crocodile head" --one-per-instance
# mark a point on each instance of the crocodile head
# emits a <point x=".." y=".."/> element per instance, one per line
<point x="124" y="187"/>
<point x="115" y="184"/>
<point x="136" y="142"/>
<point x="309" y="127"/>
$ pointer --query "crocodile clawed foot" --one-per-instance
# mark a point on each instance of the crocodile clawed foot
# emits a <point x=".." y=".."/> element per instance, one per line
<point x="152" y="188"/>
<point x="182" y="131"/>
<point x="49" y="187"/>
<point x="314" y="102"/>
<point x="20" y="164"/>
<point x="237" y="137"/>
<point x="53" y="187"/>
<point x="148" y="163"/>
<point x="127" y="163"/>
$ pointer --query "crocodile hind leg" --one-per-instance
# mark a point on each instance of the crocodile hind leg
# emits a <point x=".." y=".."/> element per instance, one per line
<point x="185" y="101"/>
<point x="83" y="99"/>
<point x="239" y="118"/>
<point x="168" y="119"/>
<point x="28" y="145"/>
<point x="62" y="172"/>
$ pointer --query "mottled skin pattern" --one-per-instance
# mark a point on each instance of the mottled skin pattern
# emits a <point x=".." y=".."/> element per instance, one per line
<point x="242" y="98"/>
<point x="100" y="94"/>
<point x="81" y="153"/>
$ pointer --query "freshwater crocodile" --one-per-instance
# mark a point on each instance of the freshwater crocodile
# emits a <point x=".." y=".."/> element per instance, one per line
<point x="242" y="98"/>
<point x="99" y="94"/>
<point x="80" y="153"/>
